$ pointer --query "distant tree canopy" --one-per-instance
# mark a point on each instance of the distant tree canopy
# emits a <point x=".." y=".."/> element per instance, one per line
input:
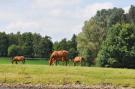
<point x="96" y="30"/>
<point x="34" y="45"/>
<point x="27" y="44"/>
<point x="3" y="44"/>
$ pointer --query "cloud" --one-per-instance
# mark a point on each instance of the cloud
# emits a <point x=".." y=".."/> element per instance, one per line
<point x="91" y="9"/>
<point x="56" y="18"/>
<point x="22" y="27"/>
<point x="126" y="9"/>
<point x="53" y="3"/>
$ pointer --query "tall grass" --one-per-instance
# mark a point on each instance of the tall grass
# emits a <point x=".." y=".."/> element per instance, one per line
<point x="45" y="74"/>
<point x="37" y="71"/>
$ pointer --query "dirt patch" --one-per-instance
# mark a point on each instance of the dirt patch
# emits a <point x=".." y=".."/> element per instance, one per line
<point x="75" y="86"/>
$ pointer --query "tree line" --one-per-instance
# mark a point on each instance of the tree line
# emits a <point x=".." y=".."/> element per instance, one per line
<point x="34" y="45"/>
<point x="109" y="38"/>
<point x="28" y="44"/>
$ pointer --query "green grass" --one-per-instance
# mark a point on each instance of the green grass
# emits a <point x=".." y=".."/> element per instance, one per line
<point x="36" y="61"/>
<point x="6" y="60"/>
<point x="45" y="74"/>
<point x="37" y="71"/>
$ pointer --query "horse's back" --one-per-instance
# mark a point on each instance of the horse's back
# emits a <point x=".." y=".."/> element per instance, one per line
<point x="19" y="58"/>
<point x="59" y="54"/>
<point x="78" y="59"/>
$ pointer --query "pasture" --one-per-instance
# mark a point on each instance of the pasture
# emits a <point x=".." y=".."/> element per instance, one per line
<point x="37" y="61"/>
<point x="34" y="72"/>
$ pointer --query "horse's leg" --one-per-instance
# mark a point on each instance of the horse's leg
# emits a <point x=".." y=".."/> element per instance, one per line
<point x="16" y="62"/>
<point x="12" y="61"/>
<point x="80" y="63"/>
<point x="66" y="61"/>
<point x="56" y="62"/>
<point x="74" y="64"/>
<point x="62" y="60"/>
<point x="23" y="61"/>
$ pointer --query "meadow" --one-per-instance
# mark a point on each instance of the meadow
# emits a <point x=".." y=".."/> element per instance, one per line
<point x="38" y="72"/>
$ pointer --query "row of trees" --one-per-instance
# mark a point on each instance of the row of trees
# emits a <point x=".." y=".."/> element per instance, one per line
<point x="34" y="45"/>
<point x="109" y="37"/>
<point x="28" y="44"/>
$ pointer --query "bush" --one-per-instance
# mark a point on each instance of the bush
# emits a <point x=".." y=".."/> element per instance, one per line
<point x="118" y="50"/>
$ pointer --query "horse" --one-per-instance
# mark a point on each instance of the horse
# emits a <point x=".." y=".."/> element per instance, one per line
<point x="79" y="59"/>
<point x="60" y="55"/>
<point x="18" y="59"/>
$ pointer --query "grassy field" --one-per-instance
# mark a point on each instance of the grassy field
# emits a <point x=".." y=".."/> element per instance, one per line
<point x="44" y="74"/>
<point x="6" y="60"/>
<point x="35" y="61"/>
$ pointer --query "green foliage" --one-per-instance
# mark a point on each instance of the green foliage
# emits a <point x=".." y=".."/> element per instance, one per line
<point x="96" y="29"/>
<point x="27" y="44"/>
<point x="118" y="50"/>
<point x="90" y="39"/>
<point x="3" y="44"/>
<point x="45" y="47"/>
<point x="132" y="14"/>
<point x="14" y="50"/>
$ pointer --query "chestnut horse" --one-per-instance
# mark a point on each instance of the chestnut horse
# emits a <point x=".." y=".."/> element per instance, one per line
<point x="18" y="59"/>
<point x="80" y="60"/>
<point x="60" y="55"/>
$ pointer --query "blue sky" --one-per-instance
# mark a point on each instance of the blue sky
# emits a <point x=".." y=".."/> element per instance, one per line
<point x="56" y="18"/>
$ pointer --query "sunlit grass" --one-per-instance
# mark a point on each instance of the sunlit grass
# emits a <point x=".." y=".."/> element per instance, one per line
<point x="45" y="74"/>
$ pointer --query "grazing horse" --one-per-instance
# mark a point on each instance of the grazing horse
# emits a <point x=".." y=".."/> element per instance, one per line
<point x="60" y="55"/>
<point x="18" y="59"/>
<point x="79" y="59"/>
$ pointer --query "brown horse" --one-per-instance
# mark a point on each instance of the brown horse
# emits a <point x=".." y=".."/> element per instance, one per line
<point x="18" y="59"/>
<point x="58" y="56"/>
<point x="80" y="60"/>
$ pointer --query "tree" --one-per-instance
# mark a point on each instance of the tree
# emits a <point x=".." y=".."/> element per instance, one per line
<point x="12" y="39"/>
<point x="132" y="14"/>
<point x="116" y="16"/>
<point x="3" y="44"/>
<point x="90" y="39"/>
<point x="72" y="47"/>
<point x="36" y="40"/>
<point x="27" y="43"/>
<point x="95" y="30"/>
<point x="118" y="50"/>
<point x="63" y="44"/>
<point x="45" y="47"/>
<point x="14" y="50"/>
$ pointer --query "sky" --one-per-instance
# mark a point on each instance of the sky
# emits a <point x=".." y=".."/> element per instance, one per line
<point x="56" y="18"/>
